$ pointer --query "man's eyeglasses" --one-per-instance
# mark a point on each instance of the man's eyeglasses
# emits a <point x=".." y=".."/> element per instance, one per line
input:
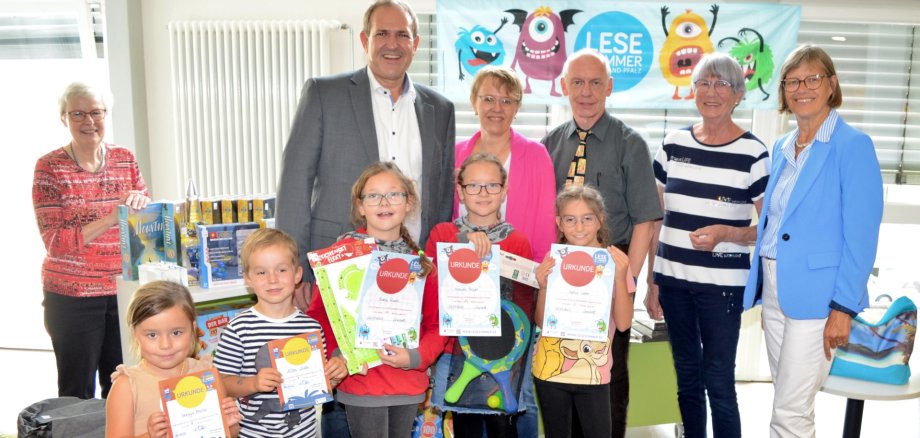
<point x="811" y="82"/>
<point x="79" y="116"/>
<point x="374" y="199"/>
<point x="586" y="220"/>
<point x="505" y="102"/>
<point x="718" y="85"/>
<point x="475" y="189"/>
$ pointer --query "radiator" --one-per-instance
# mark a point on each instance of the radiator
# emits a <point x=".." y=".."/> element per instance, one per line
<point x="235" y="87"/>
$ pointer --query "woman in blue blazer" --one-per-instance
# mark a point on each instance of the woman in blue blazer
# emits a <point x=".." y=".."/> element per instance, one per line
<point x="816" y="240"/>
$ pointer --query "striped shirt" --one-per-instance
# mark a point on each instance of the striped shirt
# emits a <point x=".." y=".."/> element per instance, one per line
<point x="707" y="185"/>
<point x="236" y="354"/>
<point x="785" y="184"/>
<point x="66" y="198"/>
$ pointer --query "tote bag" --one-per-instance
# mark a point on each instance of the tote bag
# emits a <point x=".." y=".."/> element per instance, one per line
<point x="880" y="351"/>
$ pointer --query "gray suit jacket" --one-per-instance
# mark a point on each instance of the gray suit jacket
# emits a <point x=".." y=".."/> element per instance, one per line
<point x="333" y="138"/>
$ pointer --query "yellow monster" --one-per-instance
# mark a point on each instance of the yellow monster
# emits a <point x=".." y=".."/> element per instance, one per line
<point x="686" y="42"/>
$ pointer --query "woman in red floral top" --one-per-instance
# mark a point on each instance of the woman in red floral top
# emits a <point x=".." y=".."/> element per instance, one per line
<point x="75" y="192"/>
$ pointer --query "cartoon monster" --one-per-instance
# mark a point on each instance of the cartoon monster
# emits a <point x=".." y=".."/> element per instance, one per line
<point x="686" y="42"/>
<point x="447" y="320"/>
<point x="588" y="357"/>
<point x="364" y="331"/>
<point x="756" y="59"/>
<point x="493" y="320"/>
<point x="540" y="50"/>
<point x="479" y="47"/>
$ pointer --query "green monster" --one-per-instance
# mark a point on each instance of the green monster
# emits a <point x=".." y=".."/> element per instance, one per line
<point x="756" y="60"/>
<point x="350" y="279"/>
<point x="601" y="325"/>
<point x="493" y="320"/>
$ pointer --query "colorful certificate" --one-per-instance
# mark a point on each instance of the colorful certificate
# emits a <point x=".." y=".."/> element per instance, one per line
<point x="469" y="295"/>
<point x="192" y="405"/>
<point x="339" y="272"/>
<point x="301" y="361"/>
<point x="578" y="293"/>
<point x="391" y="300"/>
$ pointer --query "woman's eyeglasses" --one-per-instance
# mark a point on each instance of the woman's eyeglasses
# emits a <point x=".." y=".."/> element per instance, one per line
<point x="811" y="82"/>
<point x="374" y="199"/>
<point x="718" y="85"/>
<point x="505" y="102"/>
<point x="79" y="116"/>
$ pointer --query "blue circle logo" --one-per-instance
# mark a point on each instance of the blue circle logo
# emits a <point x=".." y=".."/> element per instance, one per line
<point x="601" y="257"/>
<point x="625" y="41"/>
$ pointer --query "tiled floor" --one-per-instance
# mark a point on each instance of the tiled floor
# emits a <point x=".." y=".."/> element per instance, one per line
<point x="30" y="376"/>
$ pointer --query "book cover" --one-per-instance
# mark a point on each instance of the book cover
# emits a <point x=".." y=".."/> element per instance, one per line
<point x="390" y="303"/>
<point x="211" y="324"/>
<point x="301" y="360"/>
<point x="219" y="252"/>
<point x="185" y="220"/>
<point x="192" y="405"/>
<point x="339" y="271"/>
<point x="142" y="237"/>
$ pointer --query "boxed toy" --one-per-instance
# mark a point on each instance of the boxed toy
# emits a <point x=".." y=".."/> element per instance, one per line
<point x="210" y="211"/>
<point x="211" y="323"/>
<point x="219" y="252"/>
<point x="186" y="222"/>
<point x="244" y="209"/>
<point x="142" y="237"/>
<point x="263" y="207"/>
<point x="228" y="211"/>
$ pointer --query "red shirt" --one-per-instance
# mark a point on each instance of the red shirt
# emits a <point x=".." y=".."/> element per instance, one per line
<point x="66" y="198"/>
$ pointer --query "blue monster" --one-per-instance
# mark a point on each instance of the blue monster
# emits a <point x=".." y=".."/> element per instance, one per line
<point x="479" y="47"/>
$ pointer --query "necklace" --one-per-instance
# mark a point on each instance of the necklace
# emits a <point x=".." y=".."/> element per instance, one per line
<point x="803" y="145"/>
<point x="100" y="156"/>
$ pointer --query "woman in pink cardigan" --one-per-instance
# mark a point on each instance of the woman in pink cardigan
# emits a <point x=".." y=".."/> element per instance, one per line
<point x="496" y="98"/>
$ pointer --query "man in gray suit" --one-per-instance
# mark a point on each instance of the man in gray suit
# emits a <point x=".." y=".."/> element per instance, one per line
<point x="348" y="121"/>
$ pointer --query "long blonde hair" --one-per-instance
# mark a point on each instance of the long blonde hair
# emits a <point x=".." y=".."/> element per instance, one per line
<point x="358" y="220"/>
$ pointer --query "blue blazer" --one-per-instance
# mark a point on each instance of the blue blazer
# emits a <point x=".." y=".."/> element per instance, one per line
<point x="829" y="233"/>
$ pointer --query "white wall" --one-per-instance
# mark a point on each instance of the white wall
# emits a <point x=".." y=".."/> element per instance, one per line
<point x="157" y="14"/>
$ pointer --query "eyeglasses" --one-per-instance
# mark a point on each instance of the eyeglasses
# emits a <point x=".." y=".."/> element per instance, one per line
<point x="811" y="82"/>
<point x="595" y="84"/>
<point x="475" y="189"/>
<point x="393" y="198"/>
<point x="718" y="85"/>
<point x="586" y="220"/>
<point x="505" y="102"/>
<point x="79" y="116"/>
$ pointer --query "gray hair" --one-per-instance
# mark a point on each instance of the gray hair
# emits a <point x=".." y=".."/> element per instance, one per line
<point x="81" y="89"/>
<point x="581" y="54"/>
<point x="721" y="66"/>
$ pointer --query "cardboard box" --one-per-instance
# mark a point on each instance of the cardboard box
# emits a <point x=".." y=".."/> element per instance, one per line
<point x="219" y="250"/>
<point x="210" y="211"/>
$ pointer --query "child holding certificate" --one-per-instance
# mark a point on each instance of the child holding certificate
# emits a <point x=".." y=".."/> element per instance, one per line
<point x="271" y="268"/>
<point x="481" y="187"/>
<point x="162" y="320"/>
<point x="383" y="401"/>
<point x="572" y="376"/>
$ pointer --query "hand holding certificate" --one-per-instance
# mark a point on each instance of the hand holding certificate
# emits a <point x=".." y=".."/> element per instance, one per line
<point x="192" y="404"/>
<point x="579" y="293"/>
<point x="300" y="360"/>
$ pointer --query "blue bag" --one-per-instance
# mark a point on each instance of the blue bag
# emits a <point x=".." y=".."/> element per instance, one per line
<point x="880" y="351"/>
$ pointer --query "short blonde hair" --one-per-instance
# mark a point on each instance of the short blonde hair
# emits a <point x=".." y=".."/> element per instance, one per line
<point x="265" y="237"/>
<point x="504" y="77"/>
<point x="81" y="89"/>
<point x="809" y="54"/>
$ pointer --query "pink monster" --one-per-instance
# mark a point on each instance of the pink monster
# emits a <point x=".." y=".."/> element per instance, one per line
<point x="540" y="50"/>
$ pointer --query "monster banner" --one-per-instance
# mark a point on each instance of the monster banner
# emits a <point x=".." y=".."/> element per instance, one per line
<point x="652" y="48"/>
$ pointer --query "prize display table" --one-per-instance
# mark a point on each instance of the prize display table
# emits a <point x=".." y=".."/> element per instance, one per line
<point x="200" y="295"/>
<point x="652" y="385"/>
<point x="858" y="391"/>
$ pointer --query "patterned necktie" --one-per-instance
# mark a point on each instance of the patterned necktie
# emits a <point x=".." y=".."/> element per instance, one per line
<point x="580" y="162"/>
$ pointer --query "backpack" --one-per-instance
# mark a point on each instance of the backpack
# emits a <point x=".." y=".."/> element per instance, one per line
<point x="62" y="417"/>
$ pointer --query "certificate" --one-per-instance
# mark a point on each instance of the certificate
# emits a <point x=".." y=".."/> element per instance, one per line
<point x="339" y="271"/>
<point x="301" y="360"/>
<point x="192" y="405"/>
<point x="578" y="293"/>
<point x="519" y="269"/>
<point x="391" y="300"/>
<point x="469" y="295"/>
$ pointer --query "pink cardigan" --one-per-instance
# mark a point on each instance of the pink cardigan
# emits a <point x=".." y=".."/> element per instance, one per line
<point x="531" y="190"/>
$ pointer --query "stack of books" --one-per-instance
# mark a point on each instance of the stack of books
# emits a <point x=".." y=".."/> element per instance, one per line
<point x="649" y="330"/>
